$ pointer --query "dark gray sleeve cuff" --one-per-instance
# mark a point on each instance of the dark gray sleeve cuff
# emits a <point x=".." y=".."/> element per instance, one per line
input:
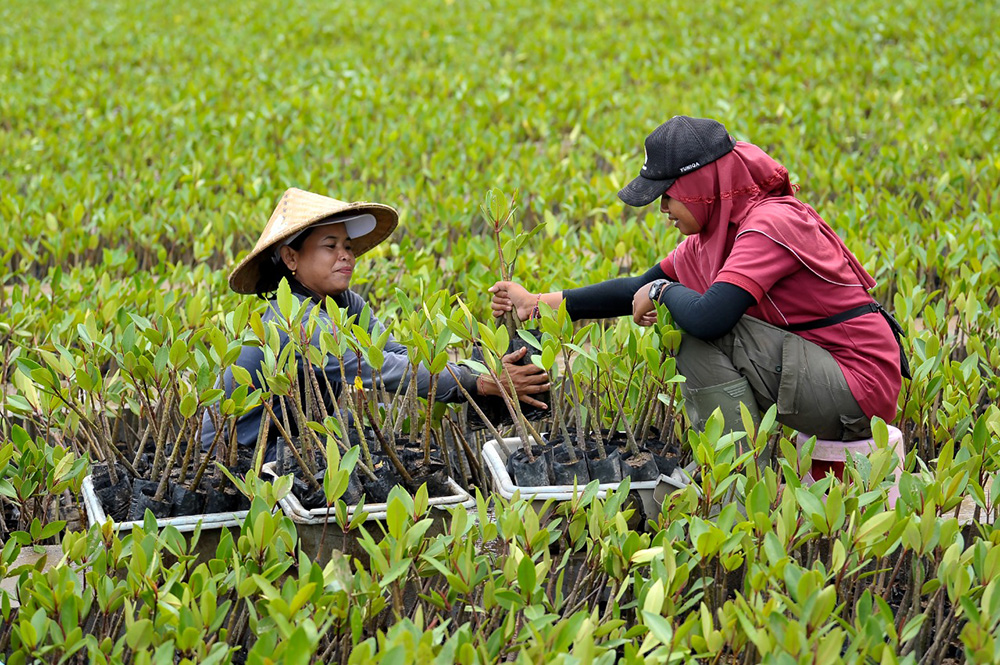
<point x="448" y="391"/>
<point x="468" y="379"/>
<point x="707" y="316"/>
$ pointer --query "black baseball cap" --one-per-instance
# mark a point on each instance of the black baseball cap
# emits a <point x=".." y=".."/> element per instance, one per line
<point x="678" y="146"/>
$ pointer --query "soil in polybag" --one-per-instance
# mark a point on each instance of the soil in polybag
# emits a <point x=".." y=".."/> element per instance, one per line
<point x="527" y="472"/>
<point x="641" y="466"/>
<point x="129" y="499"/>
<point x="567" y="470"/>
<point x="114" y="498"/>
<point x="376" y="490"/>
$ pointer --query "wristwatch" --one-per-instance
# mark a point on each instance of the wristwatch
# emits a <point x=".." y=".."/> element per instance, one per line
<point x="656" y="288"/>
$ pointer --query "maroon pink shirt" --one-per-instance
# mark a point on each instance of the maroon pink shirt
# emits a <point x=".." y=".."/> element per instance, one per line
<point x="788" y="293"/>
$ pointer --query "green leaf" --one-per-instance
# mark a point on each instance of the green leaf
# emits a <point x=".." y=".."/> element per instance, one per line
<point x="189" y="405"/>
<point x="139" y="635"/>
<point x="241" y="376"/>
<point x="300" y="646"/>
<point x="395" y="571"/>
<point x="285" y="299"/>
<point x="911" y="628"/>
<point x="526" y="576"/>
<point x="396" y="517"/>
<point x="659" y="627"/>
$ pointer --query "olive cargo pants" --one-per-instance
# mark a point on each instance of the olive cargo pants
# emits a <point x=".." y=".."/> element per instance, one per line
<point x="781" y="368"/>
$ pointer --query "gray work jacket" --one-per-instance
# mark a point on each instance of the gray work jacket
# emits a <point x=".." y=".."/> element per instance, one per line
<point x="394" y="370"/>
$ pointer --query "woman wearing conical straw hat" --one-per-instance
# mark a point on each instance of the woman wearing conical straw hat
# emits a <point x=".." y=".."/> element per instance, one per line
<point x="313" y="242"/>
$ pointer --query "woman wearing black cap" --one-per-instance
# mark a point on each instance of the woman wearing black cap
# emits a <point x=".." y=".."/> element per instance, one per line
<point x="774" y="307"/>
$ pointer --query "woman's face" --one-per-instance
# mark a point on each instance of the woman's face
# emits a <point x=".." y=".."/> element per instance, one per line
<point x="324" y="262"/>
<point x="679" y="214"/>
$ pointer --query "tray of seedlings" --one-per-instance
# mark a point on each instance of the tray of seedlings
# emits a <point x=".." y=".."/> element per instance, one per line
<point x="380" y="452"/>
<point x="167" y="472"/>
<point x="558" y="471"/>
<point x="134" y="400"/>
<point x="556" y="466"/>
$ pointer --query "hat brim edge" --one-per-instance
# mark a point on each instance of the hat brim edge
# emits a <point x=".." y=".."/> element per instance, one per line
<point x="244" y="277"/>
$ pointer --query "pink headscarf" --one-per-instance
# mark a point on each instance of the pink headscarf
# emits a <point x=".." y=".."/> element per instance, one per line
<point x="749" y="190"/>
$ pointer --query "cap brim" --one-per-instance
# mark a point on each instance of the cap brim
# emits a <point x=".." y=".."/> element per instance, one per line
<point x="643" y="191"/>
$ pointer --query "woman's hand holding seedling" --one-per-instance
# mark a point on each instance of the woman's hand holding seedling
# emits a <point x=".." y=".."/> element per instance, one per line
<point x="510" y="295"/>
<point x="643" y="309"/>
<point x="526" y="380"/>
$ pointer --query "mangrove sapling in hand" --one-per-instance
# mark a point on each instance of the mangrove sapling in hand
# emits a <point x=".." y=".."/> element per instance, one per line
<point x="499" y="214"/>
<point x="490" y="341"/>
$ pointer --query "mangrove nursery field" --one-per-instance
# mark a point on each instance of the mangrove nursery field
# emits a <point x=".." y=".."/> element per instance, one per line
<point x="143" y="146"/>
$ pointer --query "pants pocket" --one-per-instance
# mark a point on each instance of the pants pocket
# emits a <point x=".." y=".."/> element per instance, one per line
<point x="801" y="378"/>
<point x="813" y="396"/>
<point x="761" y="369"/>
<point x="791" y="369"/>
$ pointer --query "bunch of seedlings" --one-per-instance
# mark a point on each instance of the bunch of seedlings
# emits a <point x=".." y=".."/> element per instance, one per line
<point x="615" y="419"/>
<point x="39" y="487"/>
<point x="135" y="399"/>
<point x="401" y="436"/>
<point x="498" y="212"/>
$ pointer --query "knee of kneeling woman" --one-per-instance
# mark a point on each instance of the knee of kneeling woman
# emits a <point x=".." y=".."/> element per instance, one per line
<point x="704" y="364"/>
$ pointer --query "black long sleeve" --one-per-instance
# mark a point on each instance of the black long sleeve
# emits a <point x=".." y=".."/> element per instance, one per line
<point x="707" y="316"/>
<point x="610" y="298"/>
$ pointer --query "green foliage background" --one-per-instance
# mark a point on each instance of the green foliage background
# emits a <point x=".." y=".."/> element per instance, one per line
<point x="170" y="129"/>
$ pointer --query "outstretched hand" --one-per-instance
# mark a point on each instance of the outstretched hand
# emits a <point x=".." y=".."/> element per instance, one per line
<point x="511" y="296"/>
<point x="526" y="380"/>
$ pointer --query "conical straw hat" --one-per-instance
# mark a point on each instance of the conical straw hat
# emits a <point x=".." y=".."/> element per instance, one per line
<point x="296" y="211"/>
